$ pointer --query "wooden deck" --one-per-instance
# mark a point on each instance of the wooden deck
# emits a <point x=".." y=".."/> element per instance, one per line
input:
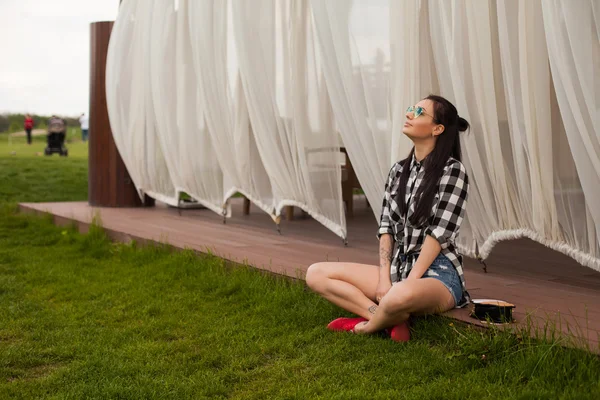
<point x="544" y="284"/>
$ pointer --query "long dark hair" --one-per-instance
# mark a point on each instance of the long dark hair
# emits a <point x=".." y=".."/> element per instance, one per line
<point x="447" y="145"/>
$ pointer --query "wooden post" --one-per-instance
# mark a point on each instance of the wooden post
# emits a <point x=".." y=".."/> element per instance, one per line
<point x="246" y="206"/>
<point x="109" y="183"/>
<point x="348" y="186"/>
<point x="289" y="213"/>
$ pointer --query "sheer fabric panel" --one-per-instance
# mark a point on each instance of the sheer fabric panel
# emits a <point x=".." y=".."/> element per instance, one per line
<point x="289" y="114"/>
<point x="129" y="102"/>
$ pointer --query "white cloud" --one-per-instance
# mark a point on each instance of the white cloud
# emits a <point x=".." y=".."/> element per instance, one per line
<point x="45" y="54"/>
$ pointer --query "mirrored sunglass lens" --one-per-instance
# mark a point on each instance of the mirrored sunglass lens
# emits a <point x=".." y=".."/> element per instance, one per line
<point x="418" y="111"/>
<point x="410" y="109"/>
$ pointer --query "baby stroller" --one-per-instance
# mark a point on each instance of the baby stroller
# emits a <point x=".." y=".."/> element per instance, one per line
<point x="56" y="137"/>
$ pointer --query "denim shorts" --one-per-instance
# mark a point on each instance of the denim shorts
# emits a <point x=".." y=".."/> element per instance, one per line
<point x="444" y="271"/>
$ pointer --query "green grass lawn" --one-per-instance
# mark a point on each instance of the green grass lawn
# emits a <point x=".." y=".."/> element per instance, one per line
<point x="26" y="176"/>
<point x="8" y="144"/>
<point x="81" y="317"/>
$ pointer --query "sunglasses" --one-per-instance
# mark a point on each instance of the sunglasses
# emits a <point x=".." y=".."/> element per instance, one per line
<point x="418" y="111"/>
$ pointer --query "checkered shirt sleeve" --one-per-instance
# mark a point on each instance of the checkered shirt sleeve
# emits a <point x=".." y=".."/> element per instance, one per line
<point x="452" y="200"/>
<point x="385" y="222"/>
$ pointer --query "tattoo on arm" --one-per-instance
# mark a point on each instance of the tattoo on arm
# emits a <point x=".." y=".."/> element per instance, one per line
<point x="372" y="309"/>
<point x="386" y="246"/>
<point x="385" y="257"/>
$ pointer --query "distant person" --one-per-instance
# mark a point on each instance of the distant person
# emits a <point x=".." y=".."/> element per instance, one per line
<point x="28" y="127"/>
<point x="84" y="120"/>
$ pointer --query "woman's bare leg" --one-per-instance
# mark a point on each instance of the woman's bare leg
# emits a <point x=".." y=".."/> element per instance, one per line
<point x="350" y="286"/>
<point x="419" y="296"/>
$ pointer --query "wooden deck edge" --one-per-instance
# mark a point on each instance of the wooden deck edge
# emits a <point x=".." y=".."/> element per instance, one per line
<point x="83" y="227"/>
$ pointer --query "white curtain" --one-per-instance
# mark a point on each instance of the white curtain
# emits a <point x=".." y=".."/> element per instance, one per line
<point x="573" y="36"/>
<point x="354" y="45"/>
<point x="533" y="149"/>
<point x="413" y="75"/>
<point x="493" y="63"/>
<point x="129" y="102"/>
<point x="183" y="135"/>
<point x="224" y="106"/>
<point x="525" y="74"/>
<point x="289" y="114"/>
<point x="461" y="35"/>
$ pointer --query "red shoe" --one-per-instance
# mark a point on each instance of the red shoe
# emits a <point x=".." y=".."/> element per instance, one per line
<point x="400" y="333"/>
<point x="344" y="324"/>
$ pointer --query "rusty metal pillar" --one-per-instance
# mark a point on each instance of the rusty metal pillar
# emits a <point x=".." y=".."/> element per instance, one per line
<point x="109" y="183"/>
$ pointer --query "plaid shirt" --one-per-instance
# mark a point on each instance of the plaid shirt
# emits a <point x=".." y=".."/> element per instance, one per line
<point x="447" y="214"/>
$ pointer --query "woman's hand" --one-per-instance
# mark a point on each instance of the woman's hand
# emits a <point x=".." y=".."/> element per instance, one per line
<point x="383" y="287"/>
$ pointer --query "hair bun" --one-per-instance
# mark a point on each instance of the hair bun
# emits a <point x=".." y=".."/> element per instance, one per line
<point x="463" y="125"/>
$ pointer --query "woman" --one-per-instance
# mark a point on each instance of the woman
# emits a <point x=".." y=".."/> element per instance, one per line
<point x="420" y="268"/>
<point x="28" y="127"/>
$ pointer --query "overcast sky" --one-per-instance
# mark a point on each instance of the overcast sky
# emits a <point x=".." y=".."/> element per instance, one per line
<point x="45" y="53"/>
